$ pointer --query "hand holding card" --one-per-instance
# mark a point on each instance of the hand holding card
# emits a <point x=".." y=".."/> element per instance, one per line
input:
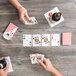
<point x="32" y="21"/>
<point x="35" y="57"/>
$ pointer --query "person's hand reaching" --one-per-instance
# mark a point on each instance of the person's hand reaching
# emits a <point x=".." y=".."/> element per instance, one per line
<point x="4" y="72"/>
<point x="23" y="14"/>
<point x="47" y="65"/>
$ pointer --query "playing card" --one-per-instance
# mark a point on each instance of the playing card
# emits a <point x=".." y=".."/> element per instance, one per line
<point x="35" y="57"/>
<point x="37" y="40"/>
<point x="66" y="38"/>
<point x="55" y="39"/>
<point x="49" y="18"/>
<point x="10" y="31"/>
<point x="40" y="57"/>
<point x="32" y="21"/>
<point x="45" y="39"/>
<point x="10" y="64"/>
<point x="27" y="40"/>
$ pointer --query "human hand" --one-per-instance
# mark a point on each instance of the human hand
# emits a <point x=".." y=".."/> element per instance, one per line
<point x="46" y="64"/>
<point x="23" y="14"/>
<point x="4" y="72"/>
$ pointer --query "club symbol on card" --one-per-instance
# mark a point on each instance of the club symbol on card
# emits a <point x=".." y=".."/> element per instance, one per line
<point x="8" y="34"/>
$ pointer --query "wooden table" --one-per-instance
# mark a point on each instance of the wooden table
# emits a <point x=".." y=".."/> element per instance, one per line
<point x="63" y="57"/>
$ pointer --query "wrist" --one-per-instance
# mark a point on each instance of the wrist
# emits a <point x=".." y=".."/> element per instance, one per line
<point x="52" y="70"/>
<point x="19" y="7"/>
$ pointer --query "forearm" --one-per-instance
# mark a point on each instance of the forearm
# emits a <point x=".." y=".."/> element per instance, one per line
<point x="15" y="3"/>
<point x="55" y="72"/>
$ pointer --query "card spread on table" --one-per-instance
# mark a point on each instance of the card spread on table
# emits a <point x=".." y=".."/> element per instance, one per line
<point x="32" y="21"/>
<point x="36" y="40"/>
<point x="10" y="64"/>
<point x="27" y="40"/>
<point x="55" y="39"/>
<point x="66" y="38"/>
<point x="10" y="31"/>
<point x="35" y="57"/>
<point x="46" y="40"/>
<point x="49" y="19"/>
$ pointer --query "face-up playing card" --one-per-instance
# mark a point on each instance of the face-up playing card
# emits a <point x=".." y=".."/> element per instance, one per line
<point x="35" y="57"/>
<point x="45" y="39"/>
<point x="48" y="17"/>
<point x="32" y="21"/>
<point x="55" y="39"/>
<point x="40" y="57"/>
<point x="10" y="31"/>
<point x="10" y="64"/>
<point x="37" y="40"/>
<point x="27" y="40"/>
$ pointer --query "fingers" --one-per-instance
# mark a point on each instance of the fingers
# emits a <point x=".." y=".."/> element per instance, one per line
<point x="38" y="64"/>
<point x="26" y="15"/>
<point x="1" y="58"/>
<point x="6" y="69"/>
<point x="22" y="19"/>
<point x="42" y="64"/>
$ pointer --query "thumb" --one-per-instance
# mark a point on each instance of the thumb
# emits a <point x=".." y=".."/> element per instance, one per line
<point x="27" y="17"/>
<point x="6" y="69"/>
<point x="42" y="64"/>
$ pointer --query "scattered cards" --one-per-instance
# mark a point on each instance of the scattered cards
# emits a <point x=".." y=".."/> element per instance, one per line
<point x="32" y="21"/>
<point x="45" y="39"/>
<point x="50" y="21"/>
<point x="66" y="38"/>
<point x="35" y="57"/>
<point x="37" y="40"/>
<point x="55" y="39"/>
<point x="10" y="31"/>
<point x="27" y="40"/>
<point x="10" y="65"/>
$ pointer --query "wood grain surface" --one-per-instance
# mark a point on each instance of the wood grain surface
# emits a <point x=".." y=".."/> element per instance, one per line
<point x="63" y="57"/>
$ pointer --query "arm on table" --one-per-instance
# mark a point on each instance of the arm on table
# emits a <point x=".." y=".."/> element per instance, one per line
<point x="47" y="65"/>
<point x="22" y="11"/>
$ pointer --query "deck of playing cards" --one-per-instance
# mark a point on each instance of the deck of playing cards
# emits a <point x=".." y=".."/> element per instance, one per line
<point x="55" y="39"/>
<point x="35" y="57"/>
<point x="10" y="65"/>
<point x="45" y="39"/>
<point x="49" y="19"/>
<point x="27" y="40"/>
<point x="32" y="21"/>
<point x="37" y="40"/>
<point x="10" y="31"/>
<point x="66" y="38"/>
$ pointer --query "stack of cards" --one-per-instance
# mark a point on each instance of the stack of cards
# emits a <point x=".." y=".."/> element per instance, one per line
<point x="55" y="39"/>
<point x="10" y="31"/>
<point x="66" y="38"/>
<point x="10" y="65"/>
<point x="35" y="57"/>
<point x="32" y="21"/>
<point x="50" y="21"/>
